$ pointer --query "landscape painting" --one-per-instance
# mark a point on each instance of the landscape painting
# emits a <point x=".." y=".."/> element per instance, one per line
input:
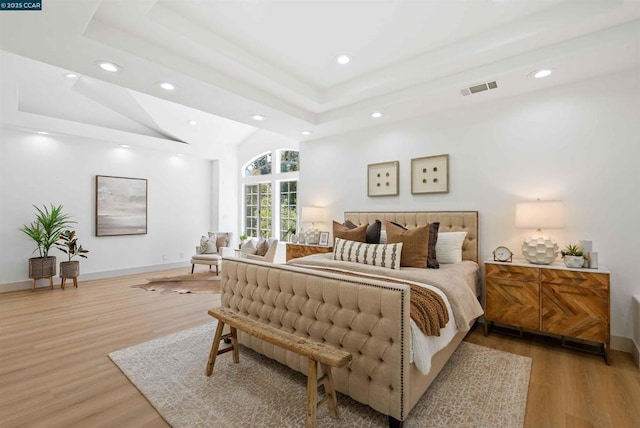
<point x="121" y="206"/>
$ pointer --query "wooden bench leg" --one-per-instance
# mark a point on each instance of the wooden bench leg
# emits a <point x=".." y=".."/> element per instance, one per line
<point x="214" y="348"/>
<point x="234" y="345"/>
<point x="330" y="390"/>
<point x="312" y="393"/>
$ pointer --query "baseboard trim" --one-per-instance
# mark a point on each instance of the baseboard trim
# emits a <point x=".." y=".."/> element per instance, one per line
<point x="621" y="343"/>
<point x="44" y="283"/>
<point x="635" y="353"/>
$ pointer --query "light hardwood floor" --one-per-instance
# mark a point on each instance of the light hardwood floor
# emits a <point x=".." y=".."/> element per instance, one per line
<point x="54" y="369"/>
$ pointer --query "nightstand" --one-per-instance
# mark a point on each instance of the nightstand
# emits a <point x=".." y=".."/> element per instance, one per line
<point x="552" y="299"/>
<point x="295" y="251"/>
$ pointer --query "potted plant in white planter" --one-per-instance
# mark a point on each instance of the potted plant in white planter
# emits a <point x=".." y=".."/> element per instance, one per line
<point x="70" y="246"/>
<point x="573" y="256"/>
<point x="45" y="231"/>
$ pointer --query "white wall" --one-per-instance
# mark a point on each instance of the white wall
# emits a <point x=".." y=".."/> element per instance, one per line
<point x="39" y="169"/>
<point x="578" y="143"/>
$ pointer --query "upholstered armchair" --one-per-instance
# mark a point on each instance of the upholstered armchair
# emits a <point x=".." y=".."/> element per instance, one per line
<point x="272" y="247"/>
<point x="209" y="252"/>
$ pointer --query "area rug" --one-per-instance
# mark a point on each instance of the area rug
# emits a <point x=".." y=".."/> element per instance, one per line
<point x="201" y="282"/>
<point x="479" y="387"/>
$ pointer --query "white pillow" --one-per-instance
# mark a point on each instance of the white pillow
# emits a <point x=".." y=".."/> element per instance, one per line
<point x="382" y="255"/>
<point x="249" y="247"/>
<point x="449" y="247"/>
<point x="208" y="245"/>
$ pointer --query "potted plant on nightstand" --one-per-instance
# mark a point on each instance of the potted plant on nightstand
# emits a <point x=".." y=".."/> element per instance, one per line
<point x="69" y="246"/>
<point x="573" y="256"/>
<point x="45" y="231"/>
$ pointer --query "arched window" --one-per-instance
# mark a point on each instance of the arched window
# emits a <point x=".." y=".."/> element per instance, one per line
<point x="270" y="199"/>
<point x="259" y="166"/>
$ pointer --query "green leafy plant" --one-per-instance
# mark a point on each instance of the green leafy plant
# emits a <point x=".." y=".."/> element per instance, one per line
<point x="572" y="250"/>
<point x="47" y="228"/>
<point x="70" y="246"/>
<point x="243" y="237"/>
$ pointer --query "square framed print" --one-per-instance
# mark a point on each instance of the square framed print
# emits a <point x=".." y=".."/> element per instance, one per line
<point x="121" y="206"/>
<point x="430" y="174"/>
<point x="382" y="179"/>
<point x="324" y="239"/>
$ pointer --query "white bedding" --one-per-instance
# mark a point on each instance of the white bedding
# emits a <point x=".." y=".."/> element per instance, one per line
<point x="424" y="347"/>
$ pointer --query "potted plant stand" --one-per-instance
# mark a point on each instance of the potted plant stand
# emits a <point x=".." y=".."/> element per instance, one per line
<point x="42" y="268"/>
<point x="69" y="270"/>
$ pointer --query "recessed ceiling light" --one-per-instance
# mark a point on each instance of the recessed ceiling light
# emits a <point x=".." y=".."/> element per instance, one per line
<point x="43" y="133"/>
<point x="167" y="86"/>
<point x="258" y="117"/>
<point x="71" y="75"/>
<point x="124" y="146"/>
<point x="179" y="155"/>
<point x="541" y="73"/>
<point x="306" y="132"/>
<point x="376" y="114"/>
<point x="343" y="59"/>
<point x="109" y="66"/>
<point x="192" y="122"/>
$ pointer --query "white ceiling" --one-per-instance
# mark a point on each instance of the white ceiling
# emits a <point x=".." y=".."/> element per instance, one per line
<point x="277" y="58"/>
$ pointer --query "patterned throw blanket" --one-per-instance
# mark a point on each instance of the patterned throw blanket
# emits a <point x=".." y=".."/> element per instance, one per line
<point x="428" y="309"/>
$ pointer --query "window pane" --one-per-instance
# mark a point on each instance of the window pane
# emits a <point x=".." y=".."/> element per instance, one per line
<point x="251" y="209"/>
<point x="288" y="209"/>
<point x="260" y="166"/>
<point x="289" y="161"/>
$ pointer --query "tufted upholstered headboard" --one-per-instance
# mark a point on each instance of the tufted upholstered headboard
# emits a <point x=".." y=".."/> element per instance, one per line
<point x="450" y="221"/>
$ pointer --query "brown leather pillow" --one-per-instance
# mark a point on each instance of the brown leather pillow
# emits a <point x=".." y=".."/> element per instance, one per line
<point x="359" y="234"/>
<point x="419" y="244"/>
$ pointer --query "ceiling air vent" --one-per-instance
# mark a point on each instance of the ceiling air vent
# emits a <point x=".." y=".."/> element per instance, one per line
<point x="478" y="88"/>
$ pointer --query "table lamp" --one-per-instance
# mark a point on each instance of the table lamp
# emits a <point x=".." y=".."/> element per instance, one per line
<point x="313" y="215"/>
<point x="540" y="248"/>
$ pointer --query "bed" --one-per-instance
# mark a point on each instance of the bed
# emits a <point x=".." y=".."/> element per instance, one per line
<point x="365" y="313"/>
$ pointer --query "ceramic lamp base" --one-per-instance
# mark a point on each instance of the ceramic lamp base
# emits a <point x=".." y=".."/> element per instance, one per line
<point x="540" y="250"/>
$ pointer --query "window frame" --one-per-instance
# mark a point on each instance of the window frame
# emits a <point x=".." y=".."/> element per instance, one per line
<point x="275" y="178"/>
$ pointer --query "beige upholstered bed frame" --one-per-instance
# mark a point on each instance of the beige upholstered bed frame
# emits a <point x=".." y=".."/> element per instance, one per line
<point x="367" y="317"/>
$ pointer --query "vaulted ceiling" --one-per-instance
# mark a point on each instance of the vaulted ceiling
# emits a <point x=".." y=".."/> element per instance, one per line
<point x="235" y="59"/>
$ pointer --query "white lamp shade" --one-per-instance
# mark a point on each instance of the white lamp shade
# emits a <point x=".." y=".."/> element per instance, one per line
<point x="540" y="215"/>
<point x="313" y="214"/>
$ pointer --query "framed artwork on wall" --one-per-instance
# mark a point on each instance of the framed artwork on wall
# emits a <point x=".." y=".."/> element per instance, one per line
<point x="121" y="206"/>
<point x="382" y="179"/>
<point x="430" y="174"/>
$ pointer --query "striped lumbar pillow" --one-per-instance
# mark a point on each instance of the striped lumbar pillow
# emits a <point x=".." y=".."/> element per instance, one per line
<point x="382" y="255"/>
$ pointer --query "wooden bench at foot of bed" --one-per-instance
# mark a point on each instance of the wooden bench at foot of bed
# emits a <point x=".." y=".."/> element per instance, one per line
<point x="318" y="353"/>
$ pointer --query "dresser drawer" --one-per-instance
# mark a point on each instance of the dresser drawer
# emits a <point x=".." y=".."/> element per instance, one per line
<point x="513" y="302"/>
<point x="512" y="272"/>
<point x="575" y="278"/>
<point x="581" y="312"/>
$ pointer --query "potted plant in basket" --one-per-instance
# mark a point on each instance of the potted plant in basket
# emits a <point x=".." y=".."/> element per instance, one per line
<point x="45" y="231"/>
<point x="70" y="246"/>
<point x="573" y="256"/>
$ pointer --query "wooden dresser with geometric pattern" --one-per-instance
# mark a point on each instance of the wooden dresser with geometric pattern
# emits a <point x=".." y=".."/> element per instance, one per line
<point x="571" y="303"/>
